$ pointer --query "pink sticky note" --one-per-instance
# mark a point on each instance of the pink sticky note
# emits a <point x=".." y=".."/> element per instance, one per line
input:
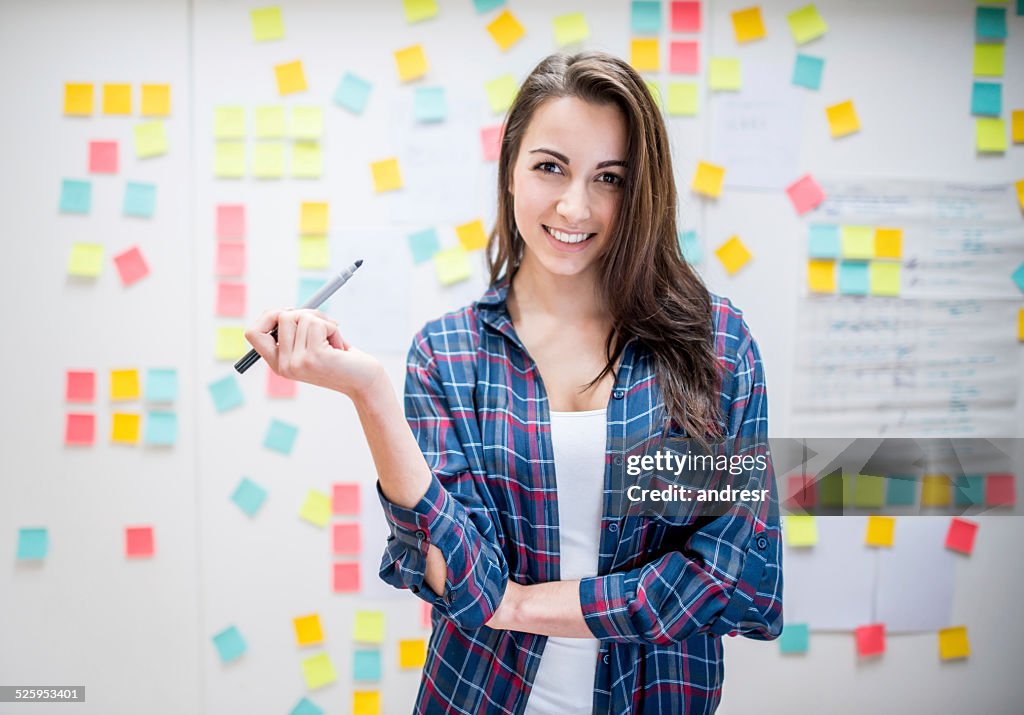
<point x="230" y="221"/>
<point x="684" y="57"/>
<point x="960" y="536"/>
<point x="805" y="194"/>
<point x="345" y="499"/>
<point x="425" y="614"/>
<point x="870" y="639"/>
<point x="131" y="266"/>
<point x="803" y="491"/>
<point x="231" y="299"/>
<point x="685" y="16"/>
<point x="1000" y="490"/>
<point x="230" y="258"/>
<point x="346" y="538"/>
<point x="490" y="141"/>
<point x="346" y="577"/>
<point x="80" y="429"/>
<point x="278" y="386"/>
<point x="138" y="541"/>
<point x="103" y="157"/>
<point x="80" y="386"/>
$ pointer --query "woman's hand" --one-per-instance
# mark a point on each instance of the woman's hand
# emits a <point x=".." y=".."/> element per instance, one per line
<point x="504" y="617"/>
<point x="310" y="349"/>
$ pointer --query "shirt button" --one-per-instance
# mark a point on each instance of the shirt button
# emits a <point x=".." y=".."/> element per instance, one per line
<point x="606" y="659"/>
<point x="451" y="596"/>
<point x="762" y="543"/>
<point x="420" y="534"/>
<point x="613" y="527"/>
<point x="618" y="394"/>
<point x="617" y="460"/>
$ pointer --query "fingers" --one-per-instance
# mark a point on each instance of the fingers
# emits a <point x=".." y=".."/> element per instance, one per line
<point x="285" y="341"/>
<point x="301" y="337"/>
<point x="263" y="343"/>
<point x="316" y="335"/>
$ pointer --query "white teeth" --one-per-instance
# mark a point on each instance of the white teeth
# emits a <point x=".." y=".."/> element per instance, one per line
<point x="568" y="237"/>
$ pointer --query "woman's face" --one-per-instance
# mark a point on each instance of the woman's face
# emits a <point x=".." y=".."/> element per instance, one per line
<point x="567" y="184"/>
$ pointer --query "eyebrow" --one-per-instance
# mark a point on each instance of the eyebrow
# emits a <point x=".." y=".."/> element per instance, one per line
<point x="564" y="158"/>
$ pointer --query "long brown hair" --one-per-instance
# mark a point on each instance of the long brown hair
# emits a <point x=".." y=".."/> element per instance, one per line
<point x="649" y="289"/>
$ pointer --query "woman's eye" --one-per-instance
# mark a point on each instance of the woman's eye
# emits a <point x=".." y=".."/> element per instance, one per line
<point x="613" y="179"/>
<point x="548" y="167"/>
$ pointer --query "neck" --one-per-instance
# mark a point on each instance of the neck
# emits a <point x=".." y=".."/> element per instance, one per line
<point x="570" y="299"/>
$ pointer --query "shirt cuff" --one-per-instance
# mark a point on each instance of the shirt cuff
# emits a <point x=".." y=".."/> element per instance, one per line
<point x="605" y="602"/>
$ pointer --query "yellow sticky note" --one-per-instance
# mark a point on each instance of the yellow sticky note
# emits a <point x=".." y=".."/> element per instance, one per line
<point x="229" y="122"/>
<point x="857" y="242"/>
<point x="506" y="30"/>
<point x="366" y="702"/>
<point x="314" y="252"/>
<point x="880" y="531"/>
<point x="267" y="24"/>
<point x="989" y="60"/>
<point x="369" y="627"/>
<point x="291" y="78"/>
<point x="682" y="99"/>
<point x="953" y="643"/>
<point x="124" y="428"/>
<point x="150" y="139"/>
<point x="1017" y="126"/>
<point x="842" y="119"/>
<point x="821" y="275"/>
<point x="991" y="134"/>
<point x="1020" y="325"/>
<point x="806" y="24"/>
<point x="229" y="160"/>
<point x="472" y="235"/>
<point x="1020" y="193"/>
<point x="501" y="91"/>
<point x="307" y="123"/>
<point x="411" y="63"/>
<point x="156" y="100"/>
<point x="800" y="530"/>
<point x="724" y="74"/>
<point x="307" y="160"/>
<point x="86" y="259"/>
<point x="644" y="54"/>
<point x="318" y="671"/>
<point x="231" y="343"/>
<point x="708" y="179"/>
<point x="884" y="278"/>
<point x="655" y="91"/>
<point x="935" y="490"/>
<point x="77" y="99"/>
<point x="570" y="29"/>
<point x="386" y="176"/>
<point x="316" y="509"/>
<point x="416" y="10"/>
<point x="308" y="630"/>
<point x="269" y="122"/>
<point x="313" y="217"/>
<point x="124" y="385"/>
<point x="748" y="24"/>
<point x="117" y="99"/>
<point x="452" y="265"/>
<point x="268" y="160"/>
<point x="412" y="653"/>
<point x="888" y="242"/>
<point x="733" y="255"/>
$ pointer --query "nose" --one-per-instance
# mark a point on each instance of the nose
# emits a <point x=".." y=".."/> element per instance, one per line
<point x="574" y="204"/>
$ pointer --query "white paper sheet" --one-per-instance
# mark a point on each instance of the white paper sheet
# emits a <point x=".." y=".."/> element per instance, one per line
<point x="916" y="577"/>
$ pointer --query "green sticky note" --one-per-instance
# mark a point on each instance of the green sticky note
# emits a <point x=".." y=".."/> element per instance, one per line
<point x="307" y="123"/>
<point x="424" y="244"/>
<point x="307" y="160"/>
<point x="416" y="10"/>
<point x="226" y="393"/>
<point x="857" y="242"/>
<point x="901" y="490"/>
<point x="369" y="627"/>
<point x="724" y="74"/>
<point x="139" y="199"/>
<point x="990" y="134"/>
<point x="150" y="139"/>
<point x="655" y="89"/>
<point x="229" y="122"/>
<point x="316" y="509"/>
<point x="85" y="259"/>
<point x="570" y="29"/>
<point x="429" y="104"/>
<point x="352" y="93"/>
<point x="280" y="436"/>
<point x="366" y="665"/>
<point x="249" y="496"/>
<point x="501" y="91"/>
<point x="268" y="160"/>
<point x="884" y="278"/>
<point x="33" y="544"/>
<point x="161" y="428"/>
<point x="229" y="160"/>
<point x="318" y="671"/>
<point x="266" y="24"/>
<point x="230" y="644"/>
<point x="794" y="638"/>
<point x="989" y="60"/>
<point x="969" y="490"/>
<point x="800" y="530"/>
<point x="75" y="196"/>
<point x="853" y="278"/>
<point x="161" y="385"/>
<point x="682" y="99"/>
<point x="645" y="17"/>
<point x="830" y="490"/>
<point x="869" y="491"/>
<point x="452" y="265"/>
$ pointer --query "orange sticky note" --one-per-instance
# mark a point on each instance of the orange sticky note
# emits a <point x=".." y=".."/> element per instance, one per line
<point x="708" y="179"/>
<point x="77" y="99"/>
<point x="313" y="217"/>
<point x="117" y="99"/>
<point x="1017" y="125"/>
<point x="386" y="176"/>
<point x="748" y="24"/>
<point x="308" y="630"/>
<point x="1020" y="193"/>
<point x="880" y="530"/>
<point x="888" y="242"/>
<point x="644" y="54"/>
<point x="412" y="653"/>
<point x="1020" y="325"/>
<point x="733" y="255"/>
<point x="472" y="235"/>
<point x="821" y="275"/>
<point x="291" y="78"/>
<point x="953" y="643"/>
<point x="124" y="384"/>
<point x="506" y="30"/>
<point x="842" y="119"/>
<point x="156" y="100"/>
<point x="366" y="702"/>
<point x="411" y="63"/>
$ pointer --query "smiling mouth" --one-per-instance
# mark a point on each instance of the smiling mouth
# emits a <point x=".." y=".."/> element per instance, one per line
<point x="568" y="238"/>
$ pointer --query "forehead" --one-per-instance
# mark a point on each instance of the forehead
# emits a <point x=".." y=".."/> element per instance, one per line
<point x="583" y="131"/>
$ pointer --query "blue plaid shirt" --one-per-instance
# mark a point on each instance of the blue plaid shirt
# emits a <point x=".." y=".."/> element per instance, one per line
<point x="665" y="593"/>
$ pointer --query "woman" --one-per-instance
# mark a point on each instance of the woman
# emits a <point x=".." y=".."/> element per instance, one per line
<point x="594" y="340"/>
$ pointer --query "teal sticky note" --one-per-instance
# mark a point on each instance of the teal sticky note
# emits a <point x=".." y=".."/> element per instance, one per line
<point x="366" y="665"/>
<point x="690" y="246"/>
<point x="139" y="199"/>
<point x="33" y="544"/>
<point x="807" y="71"/>
<point x="794" y="638"/>
<point x="309" y="286"/>
<point x="987" y="99"/>
<point x="75" y="196"/>
<point x="161" y="385"/>
<point x="483" y="6"/>
<point x="900" y="490"/>
<point x="424" y="244"/>
<point x="352" y="93"/>
<point x="226" y="393"/>
<point x="1020" y="8"/>
<point x="280" y="436"/>
<point x="161" y="428"/>
<point x="969" y="490"/>
<point x="429" y="105"/>
<point x="1018" y="277"/>
<point x="990" y="22"/>
<point x="853" y="277"/>
<point x="249" y="496"/>
<point x="306" y="707"/>
<point x="646" y="16"/>
<point x="230" y="645"/>
<point x="823" y="241"/>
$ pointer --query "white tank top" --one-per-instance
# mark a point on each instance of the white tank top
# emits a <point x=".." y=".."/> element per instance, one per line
<point x="565" y="679"/>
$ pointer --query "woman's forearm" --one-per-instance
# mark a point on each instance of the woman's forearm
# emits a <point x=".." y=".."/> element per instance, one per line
<point x="547" y="609"/>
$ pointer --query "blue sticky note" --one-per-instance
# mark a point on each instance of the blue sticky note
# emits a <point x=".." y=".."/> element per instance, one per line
<point x="429" y="105"/>
<point x="807" y="71"/>
<point x="366" y="665"/>
<point x="969" y="490"/>
<point x="1020" y="8"/>
<point x="824" y="241"/>
<point x="1018" y="277"/>
<point x="352" y="93"/>
<point x="424" y="245"/>
<point x="853" y="277"/>
<point x="226" y="393"/>
<point x="990" y="22"/>
<point x="280" y="436"/>
<point x="249" y="496"/>
<point x="306" y="707"/>
<point x="33" y="544"/>
<point x="161" y="428"/>
<point x="483" y="6"/>
<point x="646" y="16"/>
<point x="793" y="638"/>
<point x="161" y="384"/>
<point x="230" y="645"/>
<point x="690" y="246"/>
<point x="900" y="490"/>
<point x="309" y="286"/>
<point x="987" y="99"/>
<point x="75" y="196"/>
<point x="139" y="199"/>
